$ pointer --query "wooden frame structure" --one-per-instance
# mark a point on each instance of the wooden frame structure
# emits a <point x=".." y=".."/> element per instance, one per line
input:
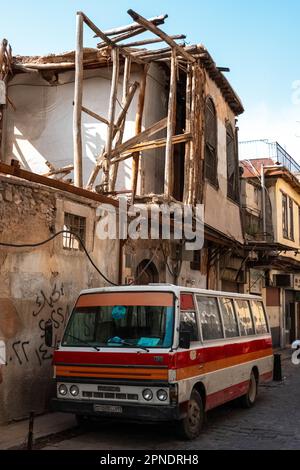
<point x="187" y="67"/>
<point x="176" y="56"/>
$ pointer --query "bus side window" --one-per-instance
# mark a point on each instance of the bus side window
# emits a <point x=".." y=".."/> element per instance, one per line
<point x="229" y="318"/>
<point x="210" y="318"/>
<point x="188" y="323"/>
<point x="259" y="317"/>
<point x="245" y="318"/>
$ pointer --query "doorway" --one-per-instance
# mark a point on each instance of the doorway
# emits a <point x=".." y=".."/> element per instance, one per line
<point x="147" y="273"/>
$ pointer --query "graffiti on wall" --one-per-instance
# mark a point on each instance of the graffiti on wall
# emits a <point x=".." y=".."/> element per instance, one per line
<point x="31" y="348"/>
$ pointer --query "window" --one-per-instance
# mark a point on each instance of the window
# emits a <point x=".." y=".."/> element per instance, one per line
<point x="259" y="316"/>
<point x="196" y="263"/>
<point x="232" y="165"/>
<point x="285" y="216"/>
<point x="229" y="318"/>
<point x="210" y="318"/>
<point x="120" y="326"/>
<point x="291" y="206"/>
<point x="288" y="225"/>
<point x="188" y="323"/>
<point x="77" y="225"/>
<point x="211" y="142"/>
<point x="245" y="318"/>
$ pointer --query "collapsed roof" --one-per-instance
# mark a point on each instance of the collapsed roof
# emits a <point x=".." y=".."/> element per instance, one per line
<point x="101" y="57"/>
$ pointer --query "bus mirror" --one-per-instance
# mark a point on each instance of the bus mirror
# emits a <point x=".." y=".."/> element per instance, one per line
<point x="185" y="340"/>
<point x="49" y="334"/>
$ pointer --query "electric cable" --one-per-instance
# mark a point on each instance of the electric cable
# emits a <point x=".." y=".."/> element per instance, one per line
<point x="74" y="234"/>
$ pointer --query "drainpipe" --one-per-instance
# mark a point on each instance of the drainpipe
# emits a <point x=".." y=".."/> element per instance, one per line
<point x="263" y="201"/>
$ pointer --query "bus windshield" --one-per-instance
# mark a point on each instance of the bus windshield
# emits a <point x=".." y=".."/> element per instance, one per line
<point x="126" y="326"/>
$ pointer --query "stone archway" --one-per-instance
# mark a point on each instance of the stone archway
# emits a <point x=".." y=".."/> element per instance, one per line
<point x="147" y="273"/>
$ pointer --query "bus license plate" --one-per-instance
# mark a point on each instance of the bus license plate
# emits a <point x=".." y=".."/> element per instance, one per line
<point x="108" y="409"/>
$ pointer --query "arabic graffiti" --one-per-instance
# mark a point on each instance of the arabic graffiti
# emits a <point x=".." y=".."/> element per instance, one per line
<point x="52" y="306"/>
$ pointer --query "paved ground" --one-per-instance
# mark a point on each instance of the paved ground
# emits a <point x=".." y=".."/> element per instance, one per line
<point x="273" y="424"/>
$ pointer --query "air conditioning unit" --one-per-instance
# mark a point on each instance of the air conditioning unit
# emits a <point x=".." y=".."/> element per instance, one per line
<point x="283" y="280"/>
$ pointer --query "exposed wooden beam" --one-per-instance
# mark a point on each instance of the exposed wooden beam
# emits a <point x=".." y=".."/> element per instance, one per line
<point x="95" y="115"/>
<point x="169" y="163"/>
<point x="138" y="129"/>
<point x="154" y="129"/>
<point x="111" y="114"/>
<point x="120" y="119"/>
<point x="77" y="118"/>
<point x="104" y="37"/>
<point x="145" y="42"/>
<point x="158" y="32"/>
<point x="152" y="144"/>
<point x="122" y="122"/>
<point x="52" y="183"/>
<point x="157" y="20"/>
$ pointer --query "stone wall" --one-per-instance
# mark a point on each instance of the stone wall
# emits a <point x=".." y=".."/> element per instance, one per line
<point x="38" y="284"/>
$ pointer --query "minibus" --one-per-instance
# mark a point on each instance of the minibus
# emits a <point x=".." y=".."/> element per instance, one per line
<point x="161" y="353"/>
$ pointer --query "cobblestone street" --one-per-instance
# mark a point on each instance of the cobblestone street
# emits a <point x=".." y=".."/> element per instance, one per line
<point x="274" y="423"/>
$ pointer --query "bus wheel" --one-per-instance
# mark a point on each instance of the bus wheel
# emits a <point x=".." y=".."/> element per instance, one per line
<point x="191" y="426"/>
<point x="248" y="400"/>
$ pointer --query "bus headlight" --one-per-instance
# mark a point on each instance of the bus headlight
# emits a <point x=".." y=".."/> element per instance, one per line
<point x="74" y="390"/>
<point x="162" y="395"/>
<point x="147" y="394"/>
<point x="62" y="390"/>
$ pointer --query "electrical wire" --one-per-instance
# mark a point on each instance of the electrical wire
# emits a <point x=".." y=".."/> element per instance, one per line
<point x="69" y="232"/>
<point x="62" y="232"/>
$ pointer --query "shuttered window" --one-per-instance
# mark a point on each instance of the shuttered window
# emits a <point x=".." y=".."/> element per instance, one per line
<point x="232" y="165"/>
<point x="211" y="143"/>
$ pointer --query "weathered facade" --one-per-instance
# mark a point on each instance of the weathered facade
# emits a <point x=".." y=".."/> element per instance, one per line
<point x="41" y="283"/>
<point x="272" y="230"/>
<point x="193" y="160"/>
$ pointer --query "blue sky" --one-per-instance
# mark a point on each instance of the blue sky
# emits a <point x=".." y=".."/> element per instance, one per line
<point x="258" y="40"/>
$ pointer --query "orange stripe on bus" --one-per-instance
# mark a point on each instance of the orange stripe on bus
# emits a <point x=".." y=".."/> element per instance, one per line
<point x="128" y="299"/>
<point x="114" y="372"/>
<point x="213" y="366"/>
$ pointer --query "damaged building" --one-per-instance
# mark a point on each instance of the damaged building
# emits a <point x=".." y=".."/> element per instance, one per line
<point x="81" y="130"/>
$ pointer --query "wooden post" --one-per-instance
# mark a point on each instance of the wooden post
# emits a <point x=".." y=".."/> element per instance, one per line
<point x="119" y="138"/>
<point x="111" y="115"/>
<point x="120" y="120"/>
<point x="187" y="129"/>
<point x="77" y="137"/>
<point x="171" y="128"/>
<point x="138" y="130"/>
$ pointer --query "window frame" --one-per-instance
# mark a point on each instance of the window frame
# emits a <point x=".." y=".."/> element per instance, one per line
<point x="265" y="315"/>
<point x="216" y="297"/>
<point x="234" y="196"/>
<point x="214" y="181"/>
<point x="288" y="219"/>
<point x="238" y="316"/>
<point x="68" y="239"/>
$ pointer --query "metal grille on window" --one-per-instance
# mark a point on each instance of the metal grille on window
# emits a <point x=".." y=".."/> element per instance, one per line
<point x="77" y="225"/>
<point x="211" y="159"/>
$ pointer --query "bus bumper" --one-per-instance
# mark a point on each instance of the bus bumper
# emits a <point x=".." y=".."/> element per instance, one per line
<point x="129" y="412"/>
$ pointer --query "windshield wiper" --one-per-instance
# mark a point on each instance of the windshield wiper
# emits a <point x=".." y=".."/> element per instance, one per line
<point x="135" y="346"/>
<point x="83" y="342"/>
<point x="122" y="342"/>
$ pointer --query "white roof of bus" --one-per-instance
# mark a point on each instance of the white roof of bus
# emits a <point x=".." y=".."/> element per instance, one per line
<point x="167" y="288"/>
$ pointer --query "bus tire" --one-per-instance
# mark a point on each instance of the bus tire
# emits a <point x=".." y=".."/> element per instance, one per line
<point x="248" y="400"/>
<point x="190" y="427"/>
